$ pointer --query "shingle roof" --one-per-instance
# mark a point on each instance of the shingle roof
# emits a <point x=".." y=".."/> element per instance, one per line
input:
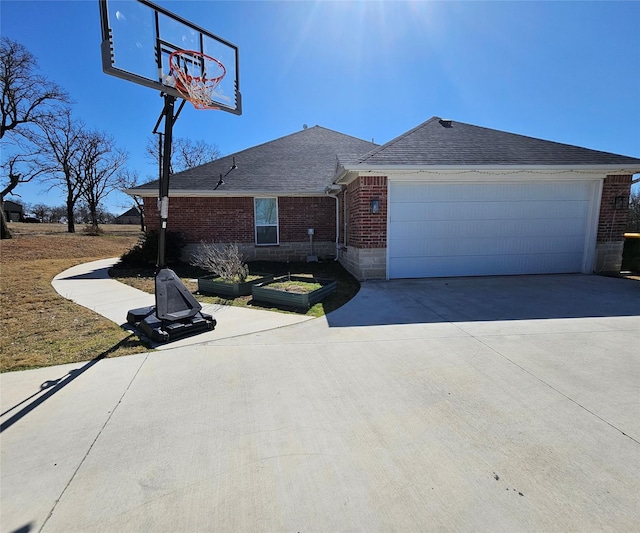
<point x="12" y="206"/>
<point x="133" y="212"/>
<point x="303" y="162"/>
<point x="440" y="142"/>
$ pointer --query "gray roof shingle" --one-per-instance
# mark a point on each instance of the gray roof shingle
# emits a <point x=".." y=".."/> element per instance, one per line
<point x="300" y="163"/>
<point x="440" y="142"/>
<point x="133" y="212"/>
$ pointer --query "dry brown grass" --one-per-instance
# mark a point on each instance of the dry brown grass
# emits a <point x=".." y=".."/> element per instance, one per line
<point x="38" y="327"/>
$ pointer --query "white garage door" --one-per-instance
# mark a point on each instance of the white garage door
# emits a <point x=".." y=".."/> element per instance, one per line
<point x="479" y="229"/>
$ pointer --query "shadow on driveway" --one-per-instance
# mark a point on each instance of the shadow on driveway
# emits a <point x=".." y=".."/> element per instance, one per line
<point x="488" y="299"/>
<point x="51" y="387"/>
<point x="98" y="273"/>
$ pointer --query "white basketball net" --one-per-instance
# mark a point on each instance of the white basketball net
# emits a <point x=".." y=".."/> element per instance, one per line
<point x="196" y="76"/>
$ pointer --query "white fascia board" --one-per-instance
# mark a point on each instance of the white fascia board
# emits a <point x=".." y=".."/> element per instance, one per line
<point x="213" y="194"/>
<point x="609" y="169"/>
<point x="341" y="172"/>
<point x="484" y="172"/>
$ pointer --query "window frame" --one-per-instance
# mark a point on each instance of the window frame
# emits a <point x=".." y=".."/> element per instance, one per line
<point x="256" y="225"/>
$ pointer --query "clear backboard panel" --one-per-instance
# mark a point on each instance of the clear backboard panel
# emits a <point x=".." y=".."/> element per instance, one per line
<point x="138" y="37"/>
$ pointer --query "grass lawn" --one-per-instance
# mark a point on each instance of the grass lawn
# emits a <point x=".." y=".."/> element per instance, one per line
<point x="38" y="327"/>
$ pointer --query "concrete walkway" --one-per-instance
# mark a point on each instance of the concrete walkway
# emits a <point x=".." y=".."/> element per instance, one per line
<point x="89" y="285"/>
<point x="485" y="404"/>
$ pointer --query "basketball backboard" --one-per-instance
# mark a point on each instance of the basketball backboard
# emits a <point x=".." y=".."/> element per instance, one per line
<point x="138" y="37"/>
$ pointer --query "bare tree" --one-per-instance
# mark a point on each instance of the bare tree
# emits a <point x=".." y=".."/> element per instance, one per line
<point x="20" y="168"/>
<point x="41" y="212"/>
<point x="128" y="179"/>
<point x="190" y="154"/>
<point x="61" y="143"/>
<point x="97" y="168"/>
<point x="28" y="99"/>
<point x="59" y="213"/>
<point x="185" y="153"/>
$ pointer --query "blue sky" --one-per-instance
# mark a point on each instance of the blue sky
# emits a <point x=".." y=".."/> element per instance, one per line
<point x="563" y="71"/>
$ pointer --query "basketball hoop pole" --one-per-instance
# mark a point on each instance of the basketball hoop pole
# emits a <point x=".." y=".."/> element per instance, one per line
<point x="163" y="201"/>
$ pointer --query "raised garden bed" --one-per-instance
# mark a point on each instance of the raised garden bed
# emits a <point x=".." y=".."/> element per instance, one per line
<point x="218" y="287"/>
<point x="293" y="291"/>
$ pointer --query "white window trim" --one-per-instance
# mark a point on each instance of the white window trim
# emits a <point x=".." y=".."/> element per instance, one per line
<point x="255" y="224"/>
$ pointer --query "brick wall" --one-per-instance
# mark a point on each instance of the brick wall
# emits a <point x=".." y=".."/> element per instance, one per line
<point x="366" y="229"/>
<point x="206" y="219"/>
<point x="298" y="214"/>
<point x="613" y="222"/>
<point x="231" y="219"/>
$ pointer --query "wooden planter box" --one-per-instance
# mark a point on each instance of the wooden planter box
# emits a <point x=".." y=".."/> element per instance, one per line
<point x="213" y="285"/>
<point x="263" y="293"/>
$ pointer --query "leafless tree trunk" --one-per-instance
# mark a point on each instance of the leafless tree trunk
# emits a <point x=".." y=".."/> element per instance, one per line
<point x="27" y="100"/>
<point x="29" y="167"/>
<point x="5" y="233"/>
<point x="97" y="169"/>
<point x="61" y="144"/>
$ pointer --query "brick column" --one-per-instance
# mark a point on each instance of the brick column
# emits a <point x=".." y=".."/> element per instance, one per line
<point x="366" y="253"/>
<point x="614" y="210"/>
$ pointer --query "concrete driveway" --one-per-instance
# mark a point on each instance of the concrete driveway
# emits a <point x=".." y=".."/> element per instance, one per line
<point x="496" y="404"/>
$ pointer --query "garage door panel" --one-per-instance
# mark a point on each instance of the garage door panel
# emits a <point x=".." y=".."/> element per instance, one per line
<point x="479" y="228"/>
<point x="491" y="192"/>
<point x="487" y="228"/>
<point x="485" y="246"/>
<point x="489" y="210"/>
<point x="485" y="265"/>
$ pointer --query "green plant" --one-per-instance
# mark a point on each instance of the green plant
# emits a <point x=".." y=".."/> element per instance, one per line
<point x="297" y="285"/>
<point x="225" y="261"/>
<point x="145" y="252"/>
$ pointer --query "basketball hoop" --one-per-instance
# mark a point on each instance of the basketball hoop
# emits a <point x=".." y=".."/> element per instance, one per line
<point x="196" y="76"/>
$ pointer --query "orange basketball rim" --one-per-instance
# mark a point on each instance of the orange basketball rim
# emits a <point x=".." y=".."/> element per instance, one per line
<point x="196" y="76"/>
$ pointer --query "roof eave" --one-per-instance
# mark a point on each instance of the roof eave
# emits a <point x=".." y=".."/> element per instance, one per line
<point x="608" y="168"/>
<point x="192" y="193"/>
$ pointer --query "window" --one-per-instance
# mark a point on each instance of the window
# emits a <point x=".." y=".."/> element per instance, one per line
<point x="266" y="217"/>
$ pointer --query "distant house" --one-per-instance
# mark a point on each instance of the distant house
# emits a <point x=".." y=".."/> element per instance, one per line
<point x="443" y="199"/>
<point x="132" y="216"/>
<point x="13" y="212"/>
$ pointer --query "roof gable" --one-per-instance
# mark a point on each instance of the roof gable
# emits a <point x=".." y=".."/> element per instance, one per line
<point x="133" y="212"/>
<point x="12" y="206"/>
<point x="444" y="142"/>
<point x="302" y="162"/>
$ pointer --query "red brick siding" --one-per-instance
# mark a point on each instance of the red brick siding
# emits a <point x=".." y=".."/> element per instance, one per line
<point x="231" y="219"/>
<point x="297" y="214"/>
<point x="365" y="229"/>
<point x="206" y="219"/>
<point x="613" y="222"/>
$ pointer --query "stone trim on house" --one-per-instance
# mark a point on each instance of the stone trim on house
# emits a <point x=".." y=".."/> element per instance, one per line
<point x="365" y="263"/>
<point x="289" y="251"/>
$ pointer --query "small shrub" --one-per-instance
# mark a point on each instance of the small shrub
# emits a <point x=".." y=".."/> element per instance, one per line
<point x="225" y="261"/>
<point x="93" y="231"/>
<point x="145" y="251"/>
